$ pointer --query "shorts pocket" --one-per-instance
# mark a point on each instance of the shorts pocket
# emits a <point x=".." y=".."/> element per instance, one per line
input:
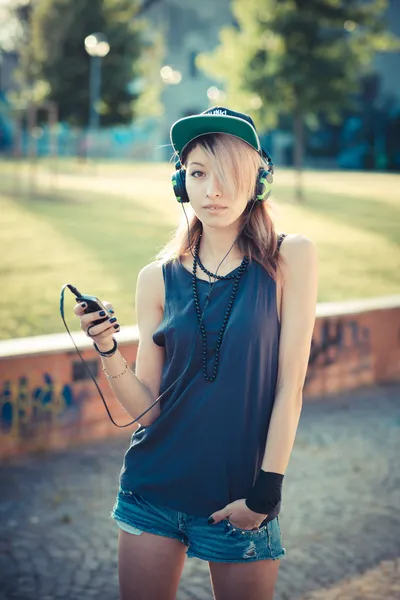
<point x="233" y="529"/>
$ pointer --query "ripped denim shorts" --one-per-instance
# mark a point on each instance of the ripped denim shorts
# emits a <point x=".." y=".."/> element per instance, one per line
<point x="218" y="542"/>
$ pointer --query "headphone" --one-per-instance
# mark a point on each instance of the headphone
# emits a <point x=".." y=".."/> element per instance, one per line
<point x="263" y="182"/>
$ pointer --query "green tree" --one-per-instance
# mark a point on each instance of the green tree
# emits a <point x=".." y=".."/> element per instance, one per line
<point x="297" y="59"/>
<point x="55" y="65"/>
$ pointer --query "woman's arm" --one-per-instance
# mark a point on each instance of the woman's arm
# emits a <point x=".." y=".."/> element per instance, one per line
<point x="299" y="275"/>
<point x="137" y="391"/>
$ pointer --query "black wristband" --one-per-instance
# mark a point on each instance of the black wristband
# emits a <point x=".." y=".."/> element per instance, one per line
<point x="266" y="493"/>
<point x="109" y="352"/>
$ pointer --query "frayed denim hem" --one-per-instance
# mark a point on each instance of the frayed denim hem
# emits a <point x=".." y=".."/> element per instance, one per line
<point x="117" y="517"/>
<point x="191" y="554"/>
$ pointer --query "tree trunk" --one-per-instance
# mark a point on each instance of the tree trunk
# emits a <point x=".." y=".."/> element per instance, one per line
<point x="298" y="132"/>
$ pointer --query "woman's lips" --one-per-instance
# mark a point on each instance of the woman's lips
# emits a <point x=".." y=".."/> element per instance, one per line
<point x="214" y="207"/>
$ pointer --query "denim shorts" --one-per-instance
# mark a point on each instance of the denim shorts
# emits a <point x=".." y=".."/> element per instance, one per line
<point x="218" y="542"/>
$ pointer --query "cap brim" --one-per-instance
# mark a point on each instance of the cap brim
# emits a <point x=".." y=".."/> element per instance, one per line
<point x="187" y="129"/>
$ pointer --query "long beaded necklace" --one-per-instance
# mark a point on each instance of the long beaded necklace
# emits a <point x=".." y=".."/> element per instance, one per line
<point x="228" y="310"/>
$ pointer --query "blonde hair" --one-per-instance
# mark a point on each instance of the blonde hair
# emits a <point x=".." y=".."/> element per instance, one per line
<point x="236" y="164"/>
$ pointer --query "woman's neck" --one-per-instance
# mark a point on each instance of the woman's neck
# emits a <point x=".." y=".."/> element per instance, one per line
<point x="215" y="245"/>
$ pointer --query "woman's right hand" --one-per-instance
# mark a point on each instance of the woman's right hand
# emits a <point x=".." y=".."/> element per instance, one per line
<point x="103" y="333"/>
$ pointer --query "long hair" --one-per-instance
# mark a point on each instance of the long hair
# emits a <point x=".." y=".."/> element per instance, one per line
<point x="236" y="164"/>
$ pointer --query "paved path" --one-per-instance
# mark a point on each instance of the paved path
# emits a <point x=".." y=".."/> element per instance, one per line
<point x="340" y="516"/>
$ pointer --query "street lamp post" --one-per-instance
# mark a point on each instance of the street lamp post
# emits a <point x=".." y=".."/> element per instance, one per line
<point x="97" y="47"/>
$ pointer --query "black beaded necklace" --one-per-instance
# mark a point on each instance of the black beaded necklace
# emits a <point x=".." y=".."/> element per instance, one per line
<point x="202" y="267"/>
<point x="237" y="276"/>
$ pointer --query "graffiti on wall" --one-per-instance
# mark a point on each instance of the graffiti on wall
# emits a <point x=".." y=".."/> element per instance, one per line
<point x="344" y="341"/>
<point x="25" y="408"/>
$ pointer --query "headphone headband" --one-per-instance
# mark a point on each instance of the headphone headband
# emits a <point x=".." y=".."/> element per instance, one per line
<point x="267" y="157"/>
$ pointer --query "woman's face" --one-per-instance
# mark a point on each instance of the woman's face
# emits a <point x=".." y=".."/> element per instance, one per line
<point x="212" y="205"/>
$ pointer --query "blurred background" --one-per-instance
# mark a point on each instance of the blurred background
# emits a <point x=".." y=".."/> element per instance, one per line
<point x="88" y="92"/>
<point x="90" y="88"/>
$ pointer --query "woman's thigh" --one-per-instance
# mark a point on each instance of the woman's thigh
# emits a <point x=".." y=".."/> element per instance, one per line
<point x="149" y="566"/>
<point x="244" y="581"/>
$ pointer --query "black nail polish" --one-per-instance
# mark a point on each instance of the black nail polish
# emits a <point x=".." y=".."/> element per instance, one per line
<point x="116" y="326"/>
<point x="113" y="320"/>
<point x="102" y="313"/>
<point x="210" y="520"/>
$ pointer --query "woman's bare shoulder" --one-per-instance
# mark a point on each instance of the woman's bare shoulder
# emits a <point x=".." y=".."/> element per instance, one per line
<point x="151" y="272"/>
<point x="294" y="250"/>
<point x="150" y="281"/>
<point x="295" y="247"/>
<point x="295" y="240"/>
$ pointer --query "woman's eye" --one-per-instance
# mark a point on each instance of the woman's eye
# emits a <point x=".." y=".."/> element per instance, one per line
<point x="193" y="174"/>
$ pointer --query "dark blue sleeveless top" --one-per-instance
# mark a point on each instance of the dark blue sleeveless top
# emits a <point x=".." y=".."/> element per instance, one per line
<point x="206" y="448"/>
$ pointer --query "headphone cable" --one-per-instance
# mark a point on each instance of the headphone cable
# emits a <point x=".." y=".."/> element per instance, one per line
<point x="210" y="288"/>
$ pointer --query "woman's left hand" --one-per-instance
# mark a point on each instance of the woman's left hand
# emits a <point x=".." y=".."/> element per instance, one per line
<point x="239" y="514"/>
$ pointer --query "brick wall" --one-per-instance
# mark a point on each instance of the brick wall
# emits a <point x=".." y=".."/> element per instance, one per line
<point x="48" y="401"/>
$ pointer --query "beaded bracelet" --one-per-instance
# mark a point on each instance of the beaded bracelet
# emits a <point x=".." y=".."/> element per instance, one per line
<point x="116" y="376"/>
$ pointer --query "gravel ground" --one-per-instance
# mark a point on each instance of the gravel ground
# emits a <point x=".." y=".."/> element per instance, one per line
<point x="340" y="516"/>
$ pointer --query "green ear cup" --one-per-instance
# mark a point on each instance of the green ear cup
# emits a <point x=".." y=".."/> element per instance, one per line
<point x="178" y="182"/>
<point x="264" y="185"/>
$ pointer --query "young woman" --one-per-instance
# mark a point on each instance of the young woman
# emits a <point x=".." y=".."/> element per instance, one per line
<point x="225" y="316"/>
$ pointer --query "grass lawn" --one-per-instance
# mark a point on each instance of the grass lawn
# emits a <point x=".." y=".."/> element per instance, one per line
<point x="96" y="225"/>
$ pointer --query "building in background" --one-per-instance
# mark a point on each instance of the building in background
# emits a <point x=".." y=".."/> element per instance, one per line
<point x="190" y="27"/>
<point x="193" y="27"/>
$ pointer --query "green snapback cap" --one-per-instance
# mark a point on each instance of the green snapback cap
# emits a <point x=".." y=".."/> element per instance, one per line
<point x="214" y="120"/>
